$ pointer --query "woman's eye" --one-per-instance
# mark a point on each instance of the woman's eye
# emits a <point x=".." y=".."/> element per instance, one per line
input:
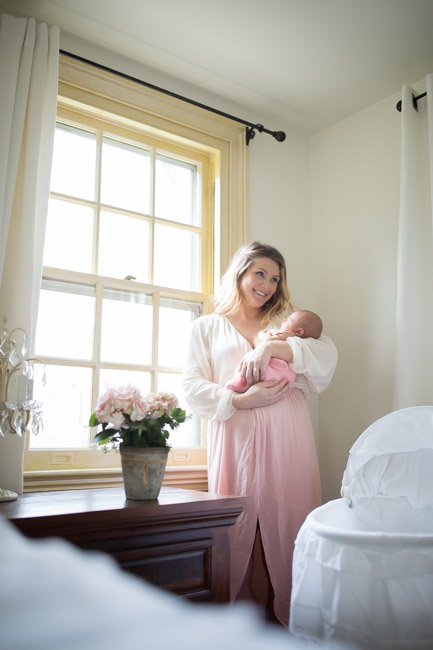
<point x="275" y="280"/>
<point x="260" y="274"/>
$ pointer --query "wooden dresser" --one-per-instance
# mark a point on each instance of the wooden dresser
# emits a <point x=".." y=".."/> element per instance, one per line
<point x="178" y="542"/>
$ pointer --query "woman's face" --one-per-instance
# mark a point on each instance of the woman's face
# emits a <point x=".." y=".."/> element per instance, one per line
<point x="259" y="282"/>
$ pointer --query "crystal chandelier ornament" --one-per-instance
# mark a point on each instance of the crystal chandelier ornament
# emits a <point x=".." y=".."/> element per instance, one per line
<point x="23" y="412"/>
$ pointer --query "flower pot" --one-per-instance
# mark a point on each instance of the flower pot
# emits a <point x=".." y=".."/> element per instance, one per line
<point x="143" y="470"/>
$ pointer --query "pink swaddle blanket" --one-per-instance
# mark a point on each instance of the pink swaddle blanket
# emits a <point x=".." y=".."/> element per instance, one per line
<point x="276" y="370"/>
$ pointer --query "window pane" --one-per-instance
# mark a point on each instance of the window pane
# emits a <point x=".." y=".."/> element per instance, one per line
<point x="174" y="317"/>
<point x="189" y="433"/>
<point x="123" y="247"/>
<point x="111" y="378"/>
<point x="74" y="162"/>
<point x="176" y="258"/>
<point x="126" y="335"/>
<point x="65" y="320"/>
<point x="69" y="236"/>
<point x="125" y="176"/>
<point x="66" y="407"/>
<point x="175" y="183"/>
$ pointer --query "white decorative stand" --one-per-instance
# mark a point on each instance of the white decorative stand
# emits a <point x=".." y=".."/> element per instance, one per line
<point x="23" y="412"/>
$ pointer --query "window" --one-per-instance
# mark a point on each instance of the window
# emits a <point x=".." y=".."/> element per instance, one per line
<point x="139" y="224"/>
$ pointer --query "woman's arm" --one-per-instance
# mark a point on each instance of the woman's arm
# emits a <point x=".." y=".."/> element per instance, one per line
<point x="204" y="397"/>
<point x="264" y="393"/>
<point x="253" y="365"/>
<point x="210" y="400"/>
<point x="315" y="359"/>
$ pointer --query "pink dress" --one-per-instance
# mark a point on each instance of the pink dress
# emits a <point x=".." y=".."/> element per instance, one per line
<point x="266" y="454"/>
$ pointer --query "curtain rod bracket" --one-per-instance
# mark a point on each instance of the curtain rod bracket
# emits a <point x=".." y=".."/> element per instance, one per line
<point x="250" y="134"/>
<point x="414" y="101"/>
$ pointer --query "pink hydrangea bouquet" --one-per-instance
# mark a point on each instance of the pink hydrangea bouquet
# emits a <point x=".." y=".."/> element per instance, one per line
<point x="132" y="420"/>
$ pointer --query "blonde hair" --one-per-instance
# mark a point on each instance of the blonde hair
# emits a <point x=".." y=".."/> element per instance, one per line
<point x="229" y="298"/>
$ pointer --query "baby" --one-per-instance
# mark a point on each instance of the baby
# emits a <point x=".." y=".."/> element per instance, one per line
<point x="302" y="323"/>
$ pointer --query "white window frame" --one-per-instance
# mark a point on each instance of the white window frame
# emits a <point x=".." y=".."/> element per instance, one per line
<point x="81" y="85"/>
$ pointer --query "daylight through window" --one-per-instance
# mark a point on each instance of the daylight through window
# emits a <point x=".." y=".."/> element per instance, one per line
<point x="147" y="203"/>
<point x="123" y="259"/>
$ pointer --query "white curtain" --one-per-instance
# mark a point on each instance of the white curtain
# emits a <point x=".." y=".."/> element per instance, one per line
<point x="414" y="319"/>
<point x="29" y="57"/>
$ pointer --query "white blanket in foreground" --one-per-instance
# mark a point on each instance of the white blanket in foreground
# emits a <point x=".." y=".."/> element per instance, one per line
<point x="54" y="596"/>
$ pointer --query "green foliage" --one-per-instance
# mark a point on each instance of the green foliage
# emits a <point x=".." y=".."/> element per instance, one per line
<point x="93" y="422"/>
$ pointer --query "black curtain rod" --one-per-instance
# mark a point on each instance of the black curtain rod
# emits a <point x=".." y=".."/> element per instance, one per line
<point x="280" y="136"/>
<point x="414" y="102"/>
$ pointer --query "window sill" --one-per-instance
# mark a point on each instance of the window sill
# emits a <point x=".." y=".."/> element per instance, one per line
<point x="193" y="477"/>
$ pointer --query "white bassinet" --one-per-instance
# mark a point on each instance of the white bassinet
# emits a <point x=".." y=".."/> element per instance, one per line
<point x="363" y="564"/>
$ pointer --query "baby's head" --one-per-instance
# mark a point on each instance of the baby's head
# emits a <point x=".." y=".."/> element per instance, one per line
<point x="304" y="323"/>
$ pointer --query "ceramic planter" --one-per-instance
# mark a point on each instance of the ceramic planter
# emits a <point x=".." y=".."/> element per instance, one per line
<point x="143" y="470"/>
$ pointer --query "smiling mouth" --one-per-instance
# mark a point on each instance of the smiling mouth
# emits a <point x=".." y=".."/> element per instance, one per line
<point x="260" y="293"/>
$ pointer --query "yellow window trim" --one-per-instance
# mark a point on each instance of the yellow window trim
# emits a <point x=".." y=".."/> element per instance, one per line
<point x="82" y="84"/>
<point x="156" y="115"/>
<point x="192" y="477"/>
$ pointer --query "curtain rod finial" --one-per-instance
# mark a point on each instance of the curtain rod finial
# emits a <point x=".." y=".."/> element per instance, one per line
<point x="279" y="136"/>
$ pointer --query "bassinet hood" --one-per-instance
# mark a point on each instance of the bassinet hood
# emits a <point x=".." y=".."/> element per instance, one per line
<point x="393" y="458"/>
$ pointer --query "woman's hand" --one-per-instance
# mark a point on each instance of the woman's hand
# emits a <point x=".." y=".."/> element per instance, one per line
<point x="254" y="363"/>
<point x="264" y="393"/>
<point x="253" y="366"/>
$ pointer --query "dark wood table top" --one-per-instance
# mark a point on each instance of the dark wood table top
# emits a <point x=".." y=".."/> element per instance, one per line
<point x="102" y="500"/>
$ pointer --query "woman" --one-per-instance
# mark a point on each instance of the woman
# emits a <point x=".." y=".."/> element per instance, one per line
<point x="260" y="442"/>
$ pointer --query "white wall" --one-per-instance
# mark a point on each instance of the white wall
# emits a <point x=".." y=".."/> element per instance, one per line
<point x="331" y="206"/>
<point x="280" y="212"/>
<point x="280" y="215"/>
<point x="355" y="197"/>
